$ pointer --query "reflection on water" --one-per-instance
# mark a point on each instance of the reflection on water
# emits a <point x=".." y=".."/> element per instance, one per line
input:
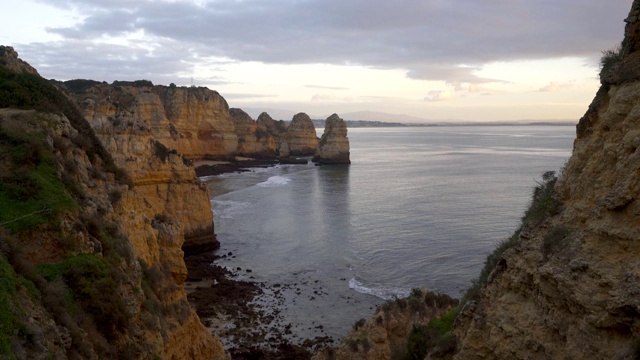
<point x="418" y="207"/>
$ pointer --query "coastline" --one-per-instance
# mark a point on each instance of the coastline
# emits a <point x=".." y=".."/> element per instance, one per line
<point x="226" y="303"/>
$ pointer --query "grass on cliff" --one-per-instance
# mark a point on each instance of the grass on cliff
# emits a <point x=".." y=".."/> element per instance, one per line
<point x="32" y="92"/>
<point x="543" y="205"/>
<point x="31" y="193"/>
<point x="12" y="323"/>
<point x="434" y="337"/>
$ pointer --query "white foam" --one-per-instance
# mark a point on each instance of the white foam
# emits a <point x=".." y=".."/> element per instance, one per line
<point x="385" y="293"/>
<point x="274" y="181"/>
<point x="227" y="209"/>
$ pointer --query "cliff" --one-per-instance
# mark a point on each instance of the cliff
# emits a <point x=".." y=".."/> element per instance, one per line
<point x="333" y="147"/>
<point x="569" y="286"/>
<point x="90" y="255"/>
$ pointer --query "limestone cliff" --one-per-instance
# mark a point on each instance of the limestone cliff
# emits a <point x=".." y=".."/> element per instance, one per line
<point x="301" y="136"/>
<point x="570" y="286"/>
<point x="254" y="140"/>
<point x="132" y="123"/>
<point x="333" y="147"/>
<point x="94" y="257"/>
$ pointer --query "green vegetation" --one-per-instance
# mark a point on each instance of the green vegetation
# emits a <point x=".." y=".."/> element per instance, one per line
<point x="31" y="193"/>
<point x="435" y="336"/>
<point x="89" y="278"/>
<point x="31" y="92"/>
<point x="543" y="204"/>
<point x="8" y="307"/>
<point x="610" y="61"/>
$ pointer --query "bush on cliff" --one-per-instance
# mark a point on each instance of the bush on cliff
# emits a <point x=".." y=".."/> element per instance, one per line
<point x="543" y="204"/>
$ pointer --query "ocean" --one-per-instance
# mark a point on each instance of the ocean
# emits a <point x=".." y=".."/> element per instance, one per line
<point x="419" y="207"/>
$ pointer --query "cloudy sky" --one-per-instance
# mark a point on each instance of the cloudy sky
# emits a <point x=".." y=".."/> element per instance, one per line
<point x="473" y="60"/>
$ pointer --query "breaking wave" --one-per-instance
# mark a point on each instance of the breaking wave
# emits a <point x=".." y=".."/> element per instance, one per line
<point x="385" y="293"/>
<point x="274" y="181"/>
<point x="227" y="209"/>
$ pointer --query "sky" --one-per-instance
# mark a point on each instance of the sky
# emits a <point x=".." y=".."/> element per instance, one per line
<point x="433" y="60"/>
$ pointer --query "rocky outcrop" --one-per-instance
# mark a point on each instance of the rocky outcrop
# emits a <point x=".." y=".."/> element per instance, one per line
<point x="254" y="140"/>
<point x="333" y="147"/>
<point x="9" y="59"/>
<point x="127" y="121"/>
<point x="301" y="136"/>
<point x="570" y="287"/>
<point x="384" y="336"/>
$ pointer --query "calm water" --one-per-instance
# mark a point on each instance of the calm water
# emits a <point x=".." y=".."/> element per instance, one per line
<point x="418" y="207"/>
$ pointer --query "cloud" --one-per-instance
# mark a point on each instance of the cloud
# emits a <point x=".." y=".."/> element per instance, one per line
<point x="440" y="95"/>
<point x="428" y="38"/>
<point x="555" y="87"/>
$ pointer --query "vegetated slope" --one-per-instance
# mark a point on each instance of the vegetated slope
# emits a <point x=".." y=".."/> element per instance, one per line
<point x="72" y="283"/>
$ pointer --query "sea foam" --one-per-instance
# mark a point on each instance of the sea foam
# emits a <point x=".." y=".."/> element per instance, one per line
<point x="385" y="293"/>
<point x="274" y="181"/>
<point x="227" y="209"/>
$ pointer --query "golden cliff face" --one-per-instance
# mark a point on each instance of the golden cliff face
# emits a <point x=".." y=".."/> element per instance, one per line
<point x="570" y="288"/>
<point x="194" y="121"/>
<point x="126" y="121"/>
<point x="253" y="138"/>
<point x="114" y="225"/>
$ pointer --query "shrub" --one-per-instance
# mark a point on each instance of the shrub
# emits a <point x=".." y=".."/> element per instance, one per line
<point x="91" y="281"/>
<point x="433" y="337"/>
<point x="609" y="62"/>
<point x="543" y="201"/>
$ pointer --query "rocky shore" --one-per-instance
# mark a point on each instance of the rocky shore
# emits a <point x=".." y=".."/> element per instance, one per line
<point x="225" y="302"/>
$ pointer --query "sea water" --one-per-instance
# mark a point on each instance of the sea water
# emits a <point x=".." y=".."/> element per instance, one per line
<point x="419" y="207"/>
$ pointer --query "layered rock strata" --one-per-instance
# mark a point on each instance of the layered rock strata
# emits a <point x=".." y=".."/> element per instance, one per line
<point x="333" y="147"/>
<point x="301" y="138"/>
<point x="128" y="121"/>
<point x="254" y="138"/>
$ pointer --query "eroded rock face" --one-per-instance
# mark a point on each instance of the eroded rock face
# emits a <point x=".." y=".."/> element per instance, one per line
<point x="126" y="120"/>
<point x="301" y="136"/>
<point x="333" y="147"/>
<point x="254" y="139"/>
<point x="570" y="289"/>
<point x="384" y="336"/>
<point x="194" y="121"/>
<point x="9" y="59"/>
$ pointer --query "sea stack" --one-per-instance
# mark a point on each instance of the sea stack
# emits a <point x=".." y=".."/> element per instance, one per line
<point x="301" y="136"/>
<point x="333" y="147"/>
